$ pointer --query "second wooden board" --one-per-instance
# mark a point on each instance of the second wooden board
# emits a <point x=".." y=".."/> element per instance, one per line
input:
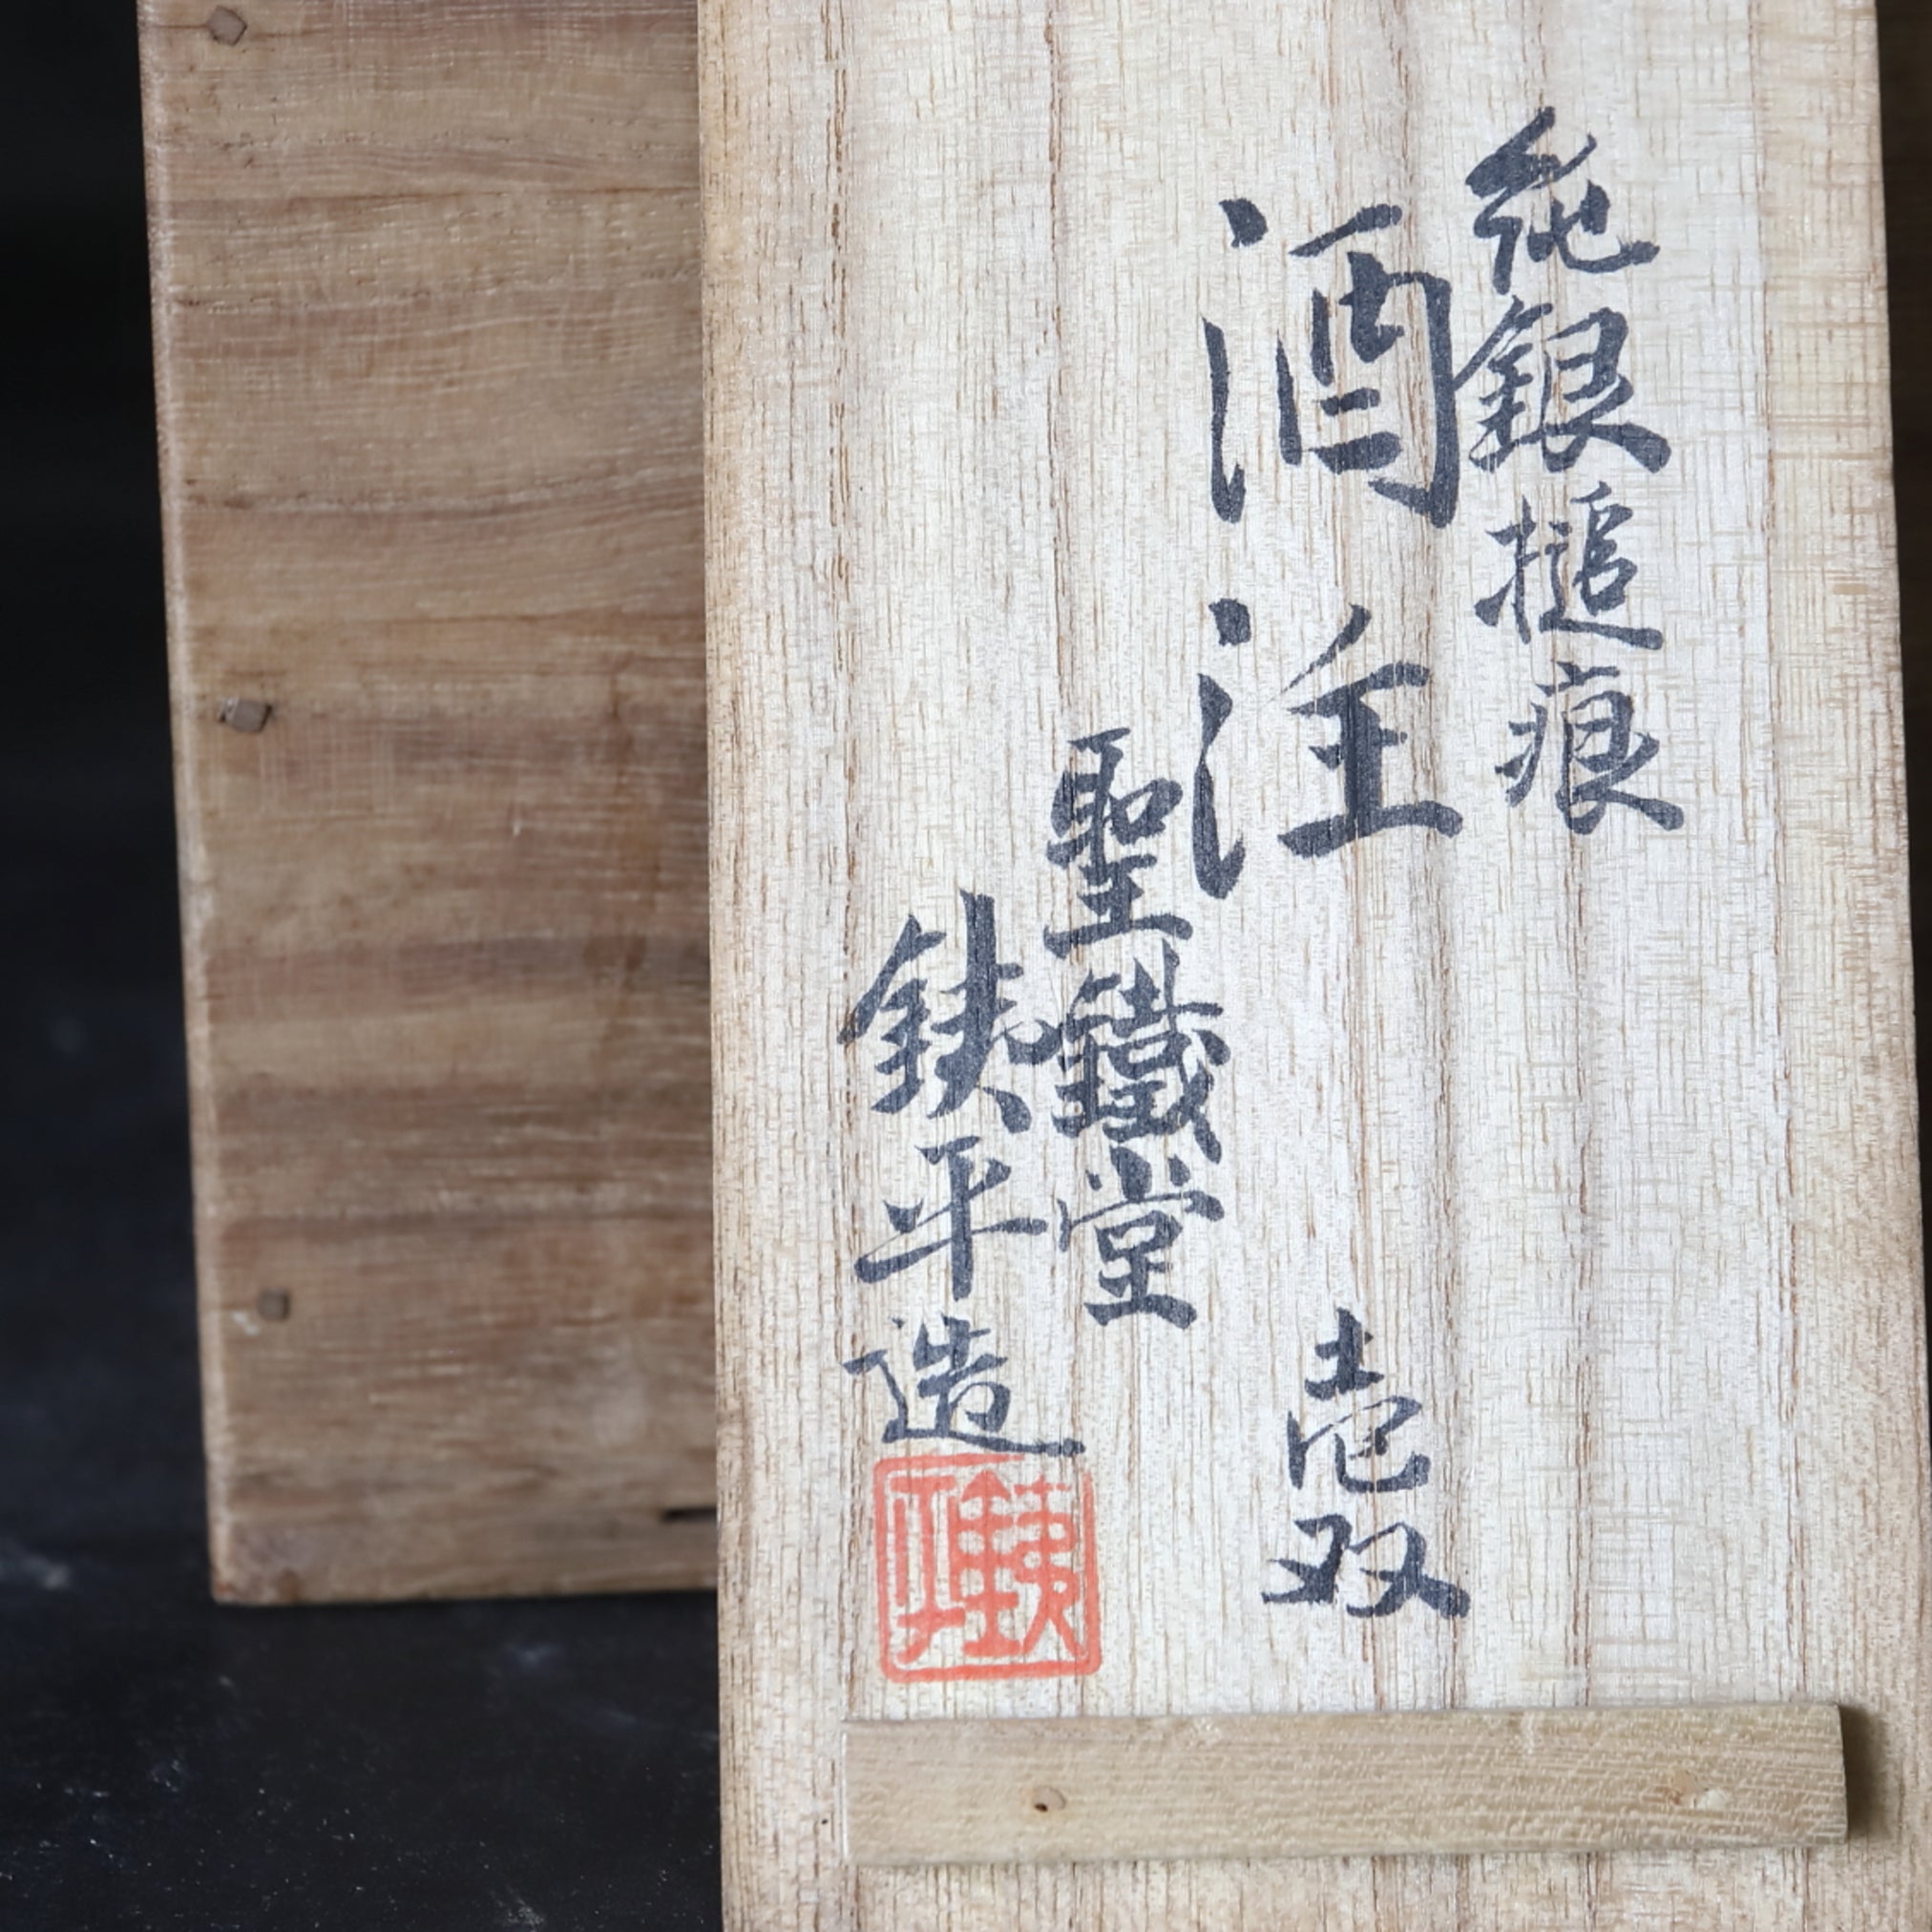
<point x="1312" y="1012"/>
<point x="427" y="347"/>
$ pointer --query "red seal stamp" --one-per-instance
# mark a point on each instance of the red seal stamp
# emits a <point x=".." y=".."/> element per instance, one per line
<point x="985" y="1568"/>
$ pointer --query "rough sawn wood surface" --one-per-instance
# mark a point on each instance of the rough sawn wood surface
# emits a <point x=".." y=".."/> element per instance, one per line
<point x="426" y="288"/>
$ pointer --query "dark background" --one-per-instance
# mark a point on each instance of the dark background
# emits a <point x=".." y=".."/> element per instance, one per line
<point x="163" y="1762"/>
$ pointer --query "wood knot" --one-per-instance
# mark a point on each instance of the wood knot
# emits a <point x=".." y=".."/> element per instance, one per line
<point x="273" y="1304"/>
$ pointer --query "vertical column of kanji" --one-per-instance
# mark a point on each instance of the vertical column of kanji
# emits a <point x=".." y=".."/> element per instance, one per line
<point x="780" y="647"/>
<point x="1855" y="1418"/>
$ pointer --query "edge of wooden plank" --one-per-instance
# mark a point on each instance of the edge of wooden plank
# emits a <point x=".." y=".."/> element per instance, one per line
<point x="1670" y="1778"/>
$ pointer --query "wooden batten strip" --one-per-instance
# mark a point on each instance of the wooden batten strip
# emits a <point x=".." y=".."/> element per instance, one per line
<point x="1342" y="1784"/>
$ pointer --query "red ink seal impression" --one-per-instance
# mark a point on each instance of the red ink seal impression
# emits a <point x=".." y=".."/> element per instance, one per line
<point x="985" y="1568"/>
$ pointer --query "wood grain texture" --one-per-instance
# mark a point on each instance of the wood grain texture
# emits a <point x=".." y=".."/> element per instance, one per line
<point x="1342" y="1784"/>
<point x="1610" y="1140"/>
<point x="426" y="291"/>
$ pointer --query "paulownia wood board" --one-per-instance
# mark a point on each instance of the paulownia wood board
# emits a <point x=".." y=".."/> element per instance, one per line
<point x="957" y="1790"/>
<point x="1436" y="1227"/>
<point x="426" y="292"/>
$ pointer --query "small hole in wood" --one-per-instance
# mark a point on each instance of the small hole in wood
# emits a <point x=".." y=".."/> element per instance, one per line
<point x="274" y="1304"/>
<point x="697" y="1512"/>
<point x="1042" y="1797"/>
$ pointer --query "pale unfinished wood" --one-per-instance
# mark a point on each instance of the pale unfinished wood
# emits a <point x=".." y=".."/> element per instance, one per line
<point x="1342" y="1784"/>
<point x="1608" y="1140"/>
<point x="427" y="346"/>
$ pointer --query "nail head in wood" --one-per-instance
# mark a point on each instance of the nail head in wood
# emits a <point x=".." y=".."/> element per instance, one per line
<point x="244" y="714"/>
<point x="1344" y="1784"/>
<point x="226" y="25"/>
